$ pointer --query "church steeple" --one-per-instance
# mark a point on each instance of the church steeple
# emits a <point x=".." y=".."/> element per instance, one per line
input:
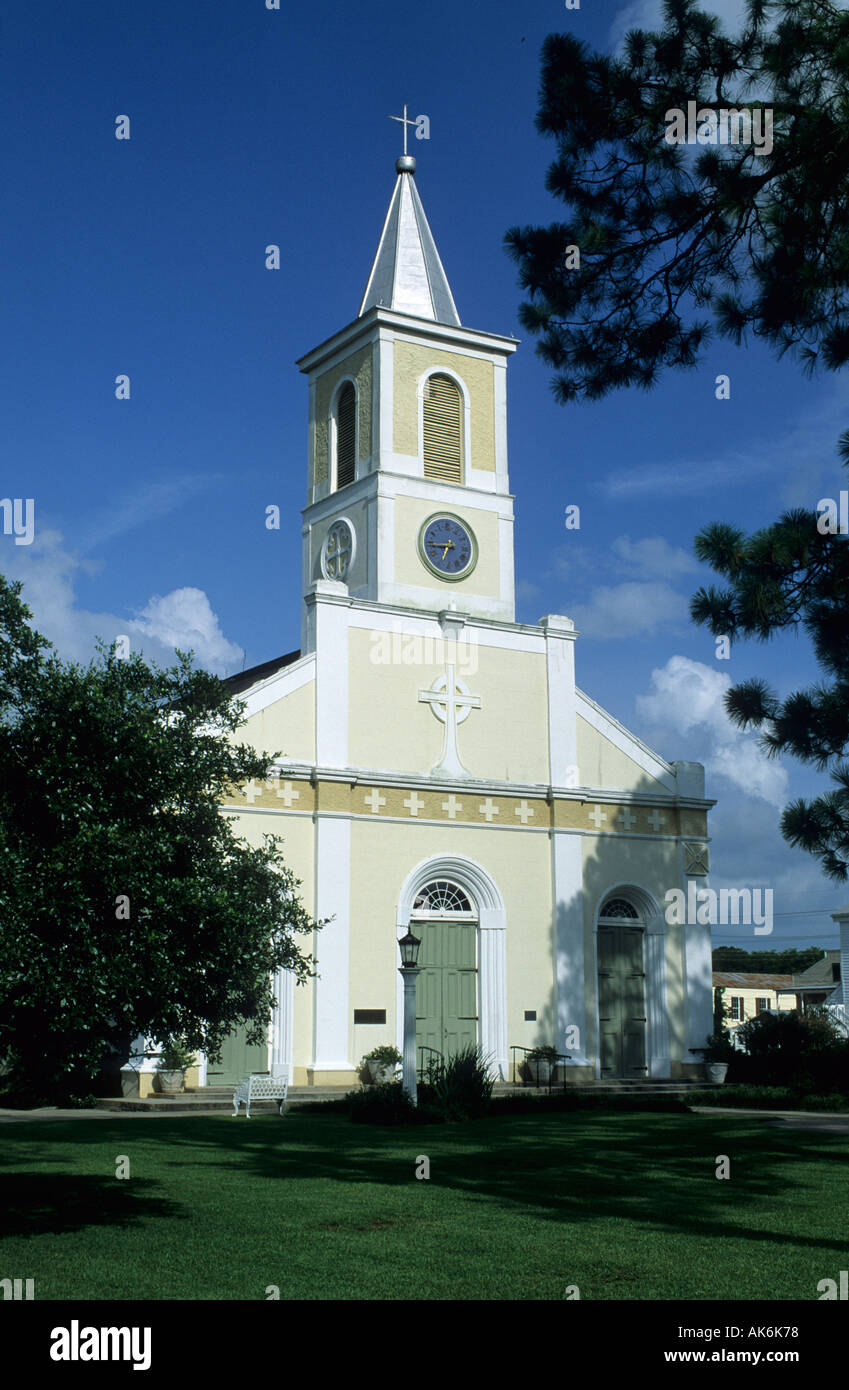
<point x="407" y="274"/>
<point x="408" y="497"/>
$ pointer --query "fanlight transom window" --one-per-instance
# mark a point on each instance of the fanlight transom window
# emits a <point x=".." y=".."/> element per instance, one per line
<point x="442" y="899"/>
<point x="618" y="907"/>
<point x="443" y="429"/>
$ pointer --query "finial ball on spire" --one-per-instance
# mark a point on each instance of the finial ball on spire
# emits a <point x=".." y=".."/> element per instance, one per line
<point x="405" y="164"/>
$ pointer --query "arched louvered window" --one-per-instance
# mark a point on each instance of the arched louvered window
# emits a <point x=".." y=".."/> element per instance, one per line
<point x="443" y="430"/>
<point x="346" y="436"/>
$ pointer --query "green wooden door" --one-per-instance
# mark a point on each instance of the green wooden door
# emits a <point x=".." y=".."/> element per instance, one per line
<point x="446" y="997"/>
<point x="238" y="1058"/>
<point x="621" y="1002"/>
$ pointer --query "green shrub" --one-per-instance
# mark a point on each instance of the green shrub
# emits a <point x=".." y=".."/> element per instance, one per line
<point x="461" y="1088"/>
<point x="802" y="1051"/>
<point x="566" y="1102"/>
<point x="175" y="1056"/>
<point x="386" y="1104"/>
<point x="770" y="1098"/>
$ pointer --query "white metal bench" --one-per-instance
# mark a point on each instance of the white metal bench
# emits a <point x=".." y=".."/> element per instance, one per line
<point x="256" y="1087"/>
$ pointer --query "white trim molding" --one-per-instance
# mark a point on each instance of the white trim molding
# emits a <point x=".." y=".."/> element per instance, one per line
<point x="333" y="943"/>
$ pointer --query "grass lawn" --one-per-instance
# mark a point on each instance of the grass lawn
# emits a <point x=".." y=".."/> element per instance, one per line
<point x="623" y="1205"/>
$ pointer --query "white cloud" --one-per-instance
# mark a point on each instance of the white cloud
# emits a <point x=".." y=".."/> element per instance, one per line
<point x="686" y="700"/>
<point x="49" y="573"/>
<point x="148" y="503"/>
<point x="648" y="14"/>
<point x="624" y="610"/>
<point x="653" y="555"/>
<point x="184" y="619"/>
<point x="794" y="465"/>
<point x="643" y="602"/>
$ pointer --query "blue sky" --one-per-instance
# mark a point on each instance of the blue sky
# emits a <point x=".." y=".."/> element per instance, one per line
<point x="146" y="257"/>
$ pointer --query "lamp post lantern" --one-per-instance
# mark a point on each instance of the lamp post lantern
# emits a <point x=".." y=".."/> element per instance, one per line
<point x="409" y="948"/>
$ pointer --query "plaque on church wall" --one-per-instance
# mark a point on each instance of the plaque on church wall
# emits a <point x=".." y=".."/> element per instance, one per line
<point x="369" y="1015"/>
<point x="696" y="858"/>
<point x="530" y="1015"/>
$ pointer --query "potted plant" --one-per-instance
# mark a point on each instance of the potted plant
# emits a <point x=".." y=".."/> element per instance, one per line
<point x="541" y="1061"/>
<point x="174" y="1059"/>
<point x="381" y="1063"/>
<point x="716" y="1055"/>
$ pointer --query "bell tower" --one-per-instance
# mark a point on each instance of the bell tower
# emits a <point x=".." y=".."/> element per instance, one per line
<point x="408" y="500"/>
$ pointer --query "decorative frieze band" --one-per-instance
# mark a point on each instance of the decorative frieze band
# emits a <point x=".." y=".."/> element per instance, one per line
<point x="471" y="807"/>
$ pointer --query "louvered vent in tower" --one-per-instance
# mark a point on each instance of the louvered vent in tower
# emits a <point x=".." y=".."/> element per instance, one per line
<point x="443" y="430"/>
<point x="346" y="436"/>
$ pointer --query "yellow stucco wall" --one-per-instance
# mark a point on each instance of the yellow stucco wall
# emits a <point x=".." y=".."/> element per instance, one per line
<point x="505" y="739"/>
<point x="286" y="727"/>
<point x="358" y="366"/>
<point x="382" y="857"/>
<point x="298" y="835"/>
<point x="411" y="361"/>
<point x="602" y="764"/>
<point x="485" y="578"/>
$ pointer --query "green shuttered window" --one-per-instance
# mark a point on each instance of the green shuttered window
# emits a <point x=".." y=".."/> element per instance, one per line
<point x="443" y="430"/>
<point x="346" y="436"/>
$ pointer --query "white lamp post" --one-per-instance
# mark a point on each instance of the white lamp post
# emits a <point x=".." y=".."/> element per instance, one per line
<point x="409" y="948"/>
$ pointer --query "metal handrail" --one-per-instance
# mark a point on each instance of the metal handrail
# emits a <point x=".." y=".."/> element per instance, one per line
<point x="422" y="1047"/>
<point x="517" y="1047"/>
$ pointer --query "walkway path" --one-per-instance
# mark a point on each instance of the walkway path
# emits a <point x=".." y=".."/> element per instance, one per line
<point x="828" y="1122"/>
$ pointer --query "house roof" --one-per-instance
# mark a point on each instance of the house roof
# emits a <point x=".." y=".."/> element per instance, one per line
<point x="820" y="975"/>
<point x="758" y="980"/>
<point x="254" y="674"/>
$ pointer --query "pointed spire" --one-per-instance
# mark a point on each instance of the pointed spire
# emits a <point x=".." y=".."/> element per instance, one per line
<point x="407" y="273"/>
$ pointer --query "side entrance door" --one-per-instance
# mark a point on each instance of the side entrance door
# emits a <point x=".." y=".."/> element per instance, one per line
<point x="238" y="1058"/>
<point x="621" y="1002"/>
<point x="446" y="993"/>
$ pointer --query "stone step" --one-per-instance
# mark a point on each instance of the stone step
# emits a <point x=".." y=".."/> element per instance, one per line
<point x="220" y="1098"/>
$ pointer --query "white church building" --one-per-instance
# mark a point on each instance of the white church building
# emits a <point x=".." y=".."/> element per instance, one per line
<point x="441" y="770"/>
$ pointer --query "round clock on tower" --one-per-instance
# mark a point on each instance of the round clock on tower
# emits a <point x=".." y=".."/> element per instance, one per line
<point x="447" y="546"/>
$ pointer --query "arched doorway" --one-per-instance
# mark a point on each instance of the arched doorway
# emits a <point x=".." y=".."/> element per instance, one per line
<point x="621" y="991"/>
<point x="446" y="921"/>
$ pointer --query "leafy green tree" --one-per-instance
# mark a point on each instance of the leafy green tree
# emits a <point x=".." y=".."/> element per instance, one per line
<point x="128" y="905"/>
<point x="676" y="242"/>
<point x="784" y="577"/>
<point x="787" y="962"/>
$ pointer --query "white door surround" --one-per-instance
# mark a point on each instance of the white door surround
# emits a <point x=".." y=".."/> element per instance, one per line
<point x="654" y="957"/>
<point x="492" y="947"/>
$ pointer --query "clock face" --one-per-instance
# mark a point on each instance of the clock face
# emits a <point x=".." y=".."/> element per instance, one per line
<point x="337" y="551"/>
<point x="448" y="547"/>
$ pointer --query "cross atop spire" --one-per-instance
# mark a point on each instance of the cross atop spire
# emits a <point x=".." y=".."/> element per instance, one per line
<point x="407" y="273"/>
<point x="404" y="122"/>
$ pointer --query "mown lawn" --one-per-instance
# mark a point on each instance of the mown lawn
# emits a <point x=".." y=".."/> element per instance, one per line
<point x="622" y="1205"/>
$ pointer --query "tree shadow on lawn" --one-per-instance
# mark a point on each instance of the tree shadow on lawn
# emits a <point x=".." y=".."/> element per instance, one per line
<point x="658" y="1170"/>
<point x="654" y="1170"/>
<point x="34" y="1204"/>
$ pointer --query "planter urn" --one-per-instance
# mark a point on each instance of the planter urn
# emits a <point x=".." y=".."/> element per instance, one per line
<point x="381" y="1072"/>
<point x="170" y="1083"/>
<point x="716" y="1072"/>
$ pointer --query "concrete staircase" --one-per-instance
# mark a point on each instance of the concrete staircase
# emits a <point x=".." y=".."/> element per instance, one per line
<point x="212" y="1099"/>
